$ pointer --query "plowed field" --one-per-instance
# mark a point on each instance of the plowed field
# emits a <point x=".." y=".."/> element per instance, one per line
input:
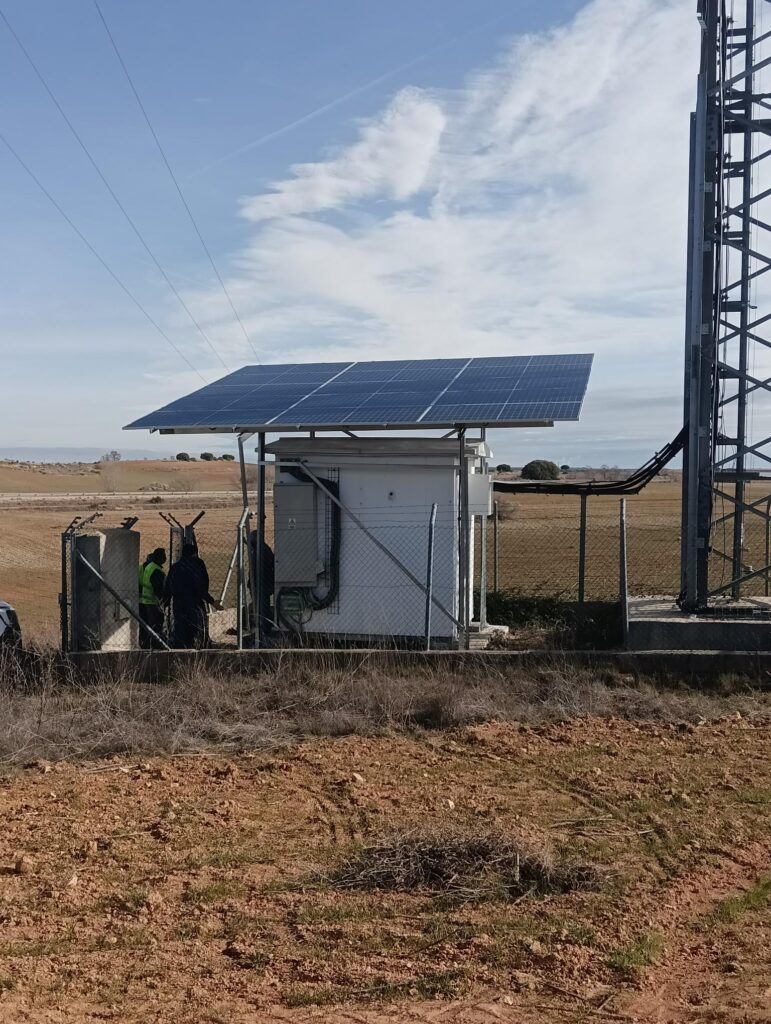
<point x="196" y="889"/>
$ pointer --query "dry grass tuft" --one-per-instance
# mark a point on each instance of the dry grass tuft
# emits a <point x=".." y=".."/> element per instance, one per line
<point x="466" y="866"/>
<point x="49" y="712"/>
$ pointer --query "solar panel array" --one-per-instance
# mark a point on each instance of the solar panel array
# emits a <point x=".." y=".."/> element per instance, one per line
<point x="409" y="393"/>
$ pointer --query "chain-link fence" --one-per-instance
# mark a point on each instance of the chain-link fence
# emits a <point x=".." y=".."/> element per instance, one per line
<point x="352" y="575"/>
<point x="534" y="545"/>
<point x="130" y="582"/>
<point x="329" y="574"/>
<point x="365" y="575"/>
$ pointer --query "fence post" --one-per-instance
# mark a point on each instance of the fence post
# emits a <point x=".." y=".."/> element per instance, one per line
<point x="768" y="544"/>
<point x="464" y="538"/>
<point x="257" y="570"/>
<point x="63" y="600"/>
<point x="582" y="554"/>
<point x="495" y="545"/>
<point x="240" y="582"/>
<point x="623" y="581"/>
<point x="73" y="646"/>
<point x="483" y="571"/>
<point x="430" y="576"/>
<point x="483" y="539"/>
<point x="229" y="573"/>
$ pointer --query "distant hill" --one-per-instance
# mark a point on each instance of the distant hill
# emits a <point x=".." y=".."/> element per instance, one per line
<point x="23" y="453"/>
<point x="114" y="477"/>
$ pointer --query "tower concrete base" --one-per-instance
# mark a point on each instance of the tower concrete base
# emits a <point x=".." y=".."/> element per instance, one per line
<point x="657" y="624"/>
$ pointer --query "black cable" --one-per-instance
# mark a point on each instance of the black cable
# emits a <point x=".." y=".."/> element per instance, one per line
<point x="295" y="625"/>
<point x="633" y="484"/>
<point x="94" y="252"/>
<point x="313" y="600"/>
<point x="173" y="177"/>
<point x="109" y="187"/>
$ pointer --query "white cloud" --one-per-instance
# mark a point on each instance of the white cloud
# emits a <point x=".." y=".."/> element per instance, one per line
<point x="540" y="207"/>
<point x="391" y="158"/>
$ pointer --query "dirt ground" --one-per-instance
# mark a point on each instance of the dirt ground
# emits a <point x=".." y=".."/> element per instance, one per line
<point x="195" y="889"/>
<point x="88" y="477"/>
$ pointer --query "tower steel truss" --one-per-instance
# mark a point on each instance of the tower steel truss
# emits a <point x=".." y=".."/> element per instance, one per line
<point x="727" y="456"/>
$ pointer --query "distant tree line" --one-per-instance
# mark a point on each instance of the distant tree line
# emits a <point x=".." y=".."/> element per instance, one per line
<point x="205" y="457"/>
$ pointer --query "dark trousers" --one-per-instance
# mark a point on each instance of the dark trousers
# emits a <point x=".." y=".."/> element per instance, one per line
<point x="189" y="630"/>
<point x="152" y="614"/>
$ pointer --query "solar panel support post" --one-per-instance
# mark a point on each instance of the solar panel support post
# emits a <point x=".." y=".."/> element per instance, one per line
<point x="483" y="546"/>
<point x="242" y="438"/>
<point x="245" y="535"/>
<point x="257" y="566"/>
<point x="463" y="542"/>
<point x="240" y="583"/>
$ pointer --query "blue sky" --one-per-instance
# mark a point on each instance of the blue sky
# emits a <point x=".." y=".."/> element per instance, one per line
<point x="482" y="178"/>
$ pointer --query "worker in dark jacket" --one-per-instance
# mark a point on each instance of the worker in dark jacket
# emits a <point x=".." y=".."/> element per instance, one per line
<point x="266" y="574"/>
<point x="152" y="580"/>
<point x="187" y="591"/>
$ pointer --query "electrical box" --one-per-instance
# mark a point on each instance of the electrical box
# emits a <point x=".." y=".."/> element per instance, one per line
<point x="296" y="535"/>
<point x="480" y="494"/>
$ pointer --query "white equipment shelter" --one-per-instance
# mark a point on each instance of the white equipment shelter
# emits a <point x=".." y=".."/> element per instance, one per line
<point x="374" y="537"/>
<point x="389" y="489"/>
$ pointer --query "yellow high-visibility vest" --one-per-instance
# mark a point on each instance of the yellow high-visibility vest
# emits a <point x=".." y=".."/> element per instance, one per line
<point x="146" y="592"/>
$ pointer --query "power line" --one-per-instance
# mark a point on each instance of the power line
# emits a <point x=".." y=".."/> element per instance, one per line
<point x="109" y="188"/>
<point x="98" y="256"/>
<point x="173" y="177"/>
<point x="346" y="96"/>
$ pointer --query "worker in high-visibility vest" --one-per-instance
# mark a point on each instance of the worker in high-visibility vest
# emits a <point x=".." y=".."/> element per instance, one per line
<point x="152" y="581"/>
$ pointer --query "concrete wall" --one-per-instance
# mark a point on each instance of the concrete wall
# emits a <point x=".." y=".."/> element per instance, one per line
<point x="694" y="667"/>
<point x="100" y="622"/>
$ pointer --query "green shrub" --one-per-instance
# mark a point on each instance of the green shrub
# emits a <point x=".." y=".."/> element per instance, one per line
<point x="541" y="469"/>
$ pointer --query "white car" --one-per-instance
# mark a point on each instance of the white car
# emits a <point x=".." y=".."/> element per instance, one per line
<point x="10" y="631"/>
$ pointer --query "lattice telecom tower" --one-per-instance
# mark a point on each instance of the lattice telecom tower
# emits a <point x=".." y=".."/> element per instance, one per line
<point x="727" y="457"/>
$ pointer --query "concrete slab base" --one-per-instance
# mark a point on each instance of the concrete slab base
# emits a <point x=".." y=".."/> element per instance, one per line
<point x="657" y="624"/>
<point x="479" y="639"/>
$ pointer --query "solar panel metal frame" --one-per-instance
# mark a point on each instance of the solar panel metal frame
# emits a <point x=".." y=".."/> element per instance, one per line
<point x="431" y="394"/>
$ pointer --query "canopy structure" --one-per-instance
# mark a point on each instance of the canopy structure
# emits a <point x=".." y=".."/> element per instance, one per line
<point x="502" y="391"/>
<point x="407" y="394"/>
